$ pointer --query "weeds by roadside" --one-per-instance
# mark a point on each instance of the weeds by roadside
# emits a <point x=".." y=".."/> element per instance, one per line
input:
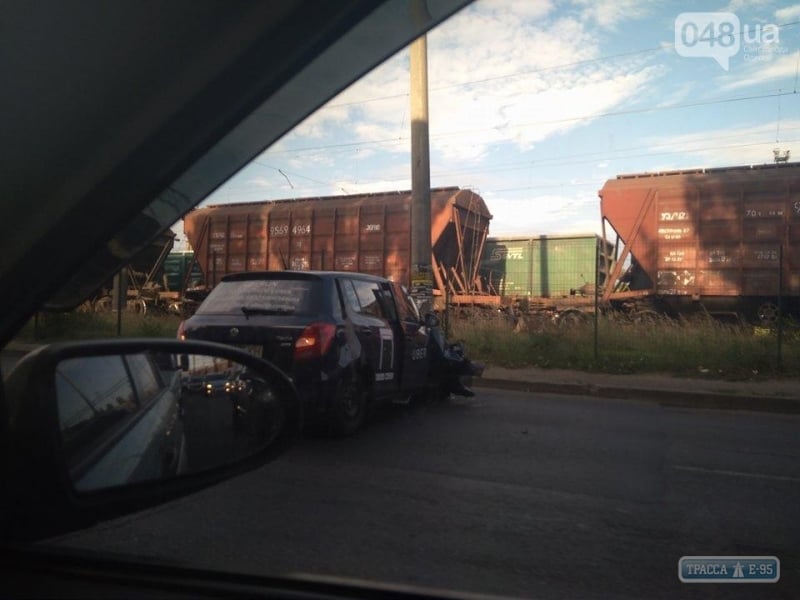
<point x="51" y="327"/>
<point x="700" y="347"/>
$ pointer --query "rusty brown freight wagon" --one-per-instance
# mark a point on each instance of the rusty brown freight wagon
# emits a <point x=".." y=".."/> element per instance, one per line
<point x="724" y="241"/>
<point x="370" y="233"/>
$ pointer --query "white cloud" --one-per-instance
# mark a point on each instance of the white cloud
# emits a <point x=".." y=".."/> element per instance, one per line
<point x="744" y="145"/>
<point x="315" y="126"/>
<point x="787" y="14"/>
<point x="609" y="13"/>
<point x="544" y="214"/>
<point x="758" y="72"/>
<point x="549" y="108"/>
<point x="677" y="94"/>
<point x="528" y="10"/>
<point x="260" y="182"/>
<point x="524" y="87"/>
<point x="518" y="89"/>
<point x="742" y="5"/>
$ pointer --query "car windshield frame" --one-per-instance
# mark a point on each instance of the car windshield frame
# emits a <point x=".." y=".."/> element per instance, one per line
<point x="288" y="59"/>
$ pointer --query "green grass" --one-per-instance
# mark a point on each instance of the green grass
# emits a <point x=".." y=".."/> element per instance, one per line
<point x="54" y="327"/>
<point x="698" y="348"/>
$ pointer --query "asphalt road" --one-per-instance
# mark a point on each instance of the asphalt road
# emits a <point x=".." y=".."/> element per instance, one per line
<point x="508" y="493"/>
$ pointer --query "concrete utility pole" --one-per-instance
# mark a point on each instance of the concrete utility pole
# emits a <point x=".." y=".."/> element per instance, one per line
<point x="421" y="275"/>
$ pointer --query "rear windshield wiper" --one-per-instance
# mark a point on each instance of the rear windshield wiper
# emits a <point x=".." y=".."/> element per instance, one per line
<point x="253" y="310"/>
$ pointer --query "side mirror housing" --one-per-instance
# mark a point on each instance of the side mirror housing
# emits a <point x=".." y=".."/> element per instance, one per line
<point x="96" y="430"/>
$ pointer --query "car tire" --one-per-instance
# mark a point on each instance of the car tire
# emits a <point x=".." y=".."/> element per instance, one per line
<point x="349" y="405"/>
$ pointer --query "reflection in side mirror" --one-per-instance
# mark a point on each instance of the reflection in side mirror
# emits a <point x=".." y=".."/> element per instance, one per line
<point x="99" y="429"/>
<point x="151" y="416"/>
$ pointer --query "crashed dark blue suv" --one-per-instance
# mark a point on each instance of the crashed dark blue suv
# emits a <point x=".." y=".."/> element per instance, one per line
<point x="346" y="339"/>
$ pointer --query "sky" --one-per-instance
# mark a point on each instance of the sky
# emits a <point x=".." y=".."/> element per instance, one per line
<point x="534" y="104"/>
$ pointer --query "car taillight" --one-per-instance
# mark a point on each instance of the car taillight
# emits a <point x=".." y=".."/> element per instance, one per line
<point x="315" y="341"/>
<point x="182" y="331"/>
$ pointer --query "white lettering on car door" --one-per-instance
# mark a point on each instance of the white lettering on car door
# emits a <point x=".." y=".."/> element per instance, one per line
<point x="386" y="360"/>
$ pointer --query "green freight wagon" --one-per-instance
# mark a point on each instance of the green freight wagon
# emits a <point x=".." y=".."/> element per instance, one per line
<point x="546" y="266"/>
<point x="176" y="266"/>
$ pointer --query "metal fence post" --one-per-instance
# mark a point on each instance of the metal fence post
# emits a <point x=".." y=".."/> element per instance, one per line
<point x="780" y="308"/>
<point x="596" y="296"/>
<point x="120" y="296"/>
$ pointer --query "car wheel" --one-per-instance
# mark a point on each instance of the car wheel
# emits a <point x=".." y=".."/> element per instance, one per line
<point x="348" y="406"/>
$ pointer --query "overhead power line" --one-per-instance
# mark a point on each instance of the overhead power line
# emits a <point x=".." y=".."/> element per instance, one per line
<point x="615" y="113"/>
<point x="524" y="73"/>
<point x="546" y="163"/>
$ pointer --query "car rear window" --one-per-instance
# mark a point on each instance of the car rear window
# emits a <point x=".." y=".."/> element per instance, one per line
<point x="262" y="296"/>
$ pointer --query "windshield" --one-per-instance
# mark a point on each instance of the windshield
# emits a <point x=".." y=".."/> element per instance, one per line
<point x="614" y="235"/>
<point x="262" y="296"/>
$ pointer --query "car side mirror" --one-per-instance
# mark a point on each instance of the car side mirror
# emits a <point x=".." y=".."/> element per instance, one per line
<point x="101" y="429"/>
<point x="431" y="320"/>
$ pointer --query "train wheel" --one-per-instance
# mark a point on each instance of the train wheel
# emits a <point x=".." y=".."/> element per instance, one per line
<point x="85" y="307"/>
<point x="572" y="318"/>
<point x="103" y="304"/>
<point x="767" y="314"/>
<point x="139" y="306"/>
